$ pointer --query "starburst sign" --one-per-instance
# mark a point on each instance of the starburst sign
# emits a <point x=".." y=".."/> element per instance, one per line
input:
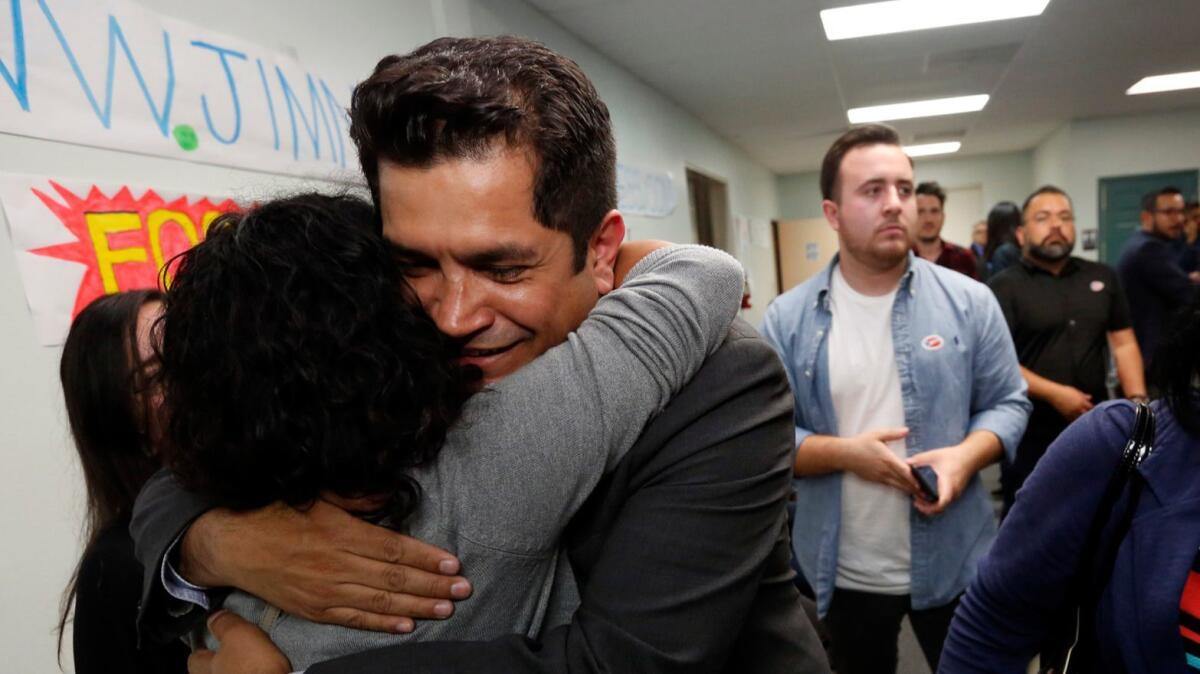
<point x="122" y="240"/>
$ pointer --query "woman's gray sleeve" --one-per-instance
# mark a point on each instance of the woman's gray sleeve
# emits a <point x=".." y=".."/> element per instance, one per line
<point x="530" y="449"/>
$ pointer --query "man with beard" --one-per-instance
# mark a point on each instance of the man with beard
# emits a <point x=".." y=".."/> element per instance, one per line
<point x="896" y="364"/>
<point x="1062" y="311"/>
<point x="931" y="217"/>
<point x="1149" y="267"/>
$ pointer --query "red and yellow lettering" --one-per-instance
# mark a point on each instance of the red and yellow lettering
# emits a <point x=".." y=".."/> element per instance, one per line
<point x="100" y="226"/>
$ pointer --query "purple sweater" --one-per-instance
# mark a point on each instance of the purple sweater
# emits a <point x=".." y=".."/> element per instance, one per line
<point x="1005" y="614"/>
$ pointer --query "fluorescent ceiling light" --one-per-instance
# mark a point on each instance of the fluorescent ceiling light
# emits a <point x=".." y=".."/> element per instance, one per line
<point x="931" y="108"/>
<point x="931" y="148"/>
<point x="1172" y="82"/>
<point x="901" y="16"/>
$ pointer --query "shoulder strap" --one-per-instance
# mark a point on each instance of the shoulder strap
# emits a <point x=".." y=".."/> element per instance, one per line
<point x="1099" y="552"/>
<point x="1137" y="448"/>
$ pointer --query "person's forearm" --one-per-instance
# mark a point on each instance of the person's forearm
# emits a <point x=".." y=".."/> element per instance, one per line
<point x="819" y="455"/>
<point x="1039" y="386"/>
<point x="1131" y="371"/>
<point x="198" y="556"/>
<point x="980" y="449"/>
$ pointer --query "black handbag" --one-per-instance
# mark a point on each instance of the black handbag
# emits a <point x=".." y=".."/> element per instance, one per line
<point x="1071" y="646"/>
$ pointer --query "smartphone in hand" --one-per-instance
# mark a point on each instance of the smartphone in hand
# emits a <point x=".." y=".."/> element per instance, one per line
<point x="927" y="480"/>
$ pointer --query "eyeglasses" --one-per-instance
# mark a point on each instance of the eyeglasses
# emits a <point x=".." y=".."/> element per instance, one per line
<point x="1169" y="211"/>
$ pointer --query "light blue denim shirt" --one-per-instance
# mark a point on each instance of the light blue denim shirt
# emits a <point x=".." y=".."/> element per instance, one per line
<point x="958" y="374"/>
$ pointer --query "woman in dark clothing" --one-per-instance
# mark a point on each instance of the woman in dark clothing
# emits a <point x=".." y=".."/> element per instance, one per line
<point x="1002" y="250"/>
<point x="107" y="363"/>
<point x="1147" y="615"/>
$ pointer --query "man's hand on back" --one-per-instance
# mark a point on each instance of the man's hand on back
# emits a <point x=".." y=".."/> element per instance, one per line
<point x="323" y="564"/>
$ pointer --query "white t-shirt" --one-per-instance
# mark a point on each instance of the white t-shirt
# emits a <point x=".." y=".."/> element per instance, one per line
<point x="874" y="548"/>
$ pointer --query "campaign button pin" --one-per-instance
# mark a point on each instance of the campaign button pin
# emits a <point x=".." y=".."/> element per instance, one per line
<point x="933" y="343"/>
<point x="1097" y="286"/>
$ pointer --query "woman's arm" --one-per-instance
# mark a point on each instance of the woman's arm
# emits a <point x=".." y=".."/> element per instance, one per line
<point x="1006" y="613"/>
<point x="531" y="448"/>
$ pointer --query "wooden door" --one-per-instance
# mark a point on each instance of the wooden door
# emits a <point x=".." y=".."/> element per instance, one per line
<point x="802" y="248"/>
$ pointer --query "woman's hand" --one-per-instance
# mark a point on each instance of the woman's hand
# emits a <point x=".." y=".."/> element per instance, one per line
<point x="245" y="649"/>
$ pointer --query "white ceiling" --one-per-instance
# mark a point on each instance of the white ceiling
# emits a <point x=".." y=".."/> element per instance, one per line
<point x="761" y="73"/>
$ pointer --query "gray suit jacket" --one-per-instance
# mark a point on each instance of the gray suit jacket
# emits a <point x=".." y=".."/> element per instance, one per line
<point x="681" y="553"/>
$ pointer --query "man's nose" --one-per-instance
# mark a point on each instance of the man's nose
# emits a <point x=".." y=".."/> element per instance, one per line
<point x="456" y="308"/>
<point x="892" y="201"/>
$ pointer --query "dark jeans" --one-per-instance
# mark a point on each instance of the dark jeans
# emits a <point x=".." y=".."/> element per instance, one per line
<point x="865" y="628"/>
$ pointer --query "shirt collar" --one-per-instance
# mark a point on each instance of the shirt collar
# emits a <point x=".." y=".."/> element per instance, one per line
<point x="827" y="278"/>
<point x="1069" y="268"/>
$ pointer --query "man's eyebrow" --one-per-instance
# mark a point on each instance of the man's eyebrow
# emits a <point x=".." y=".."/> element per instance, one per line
<point x="883" y="180"/>
<point x="510" y="253"/>
<point x="406" y="254"/>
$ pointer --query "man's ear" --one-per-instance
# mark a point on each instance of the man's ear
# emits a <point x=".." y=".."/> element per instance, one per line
<point x="829" y="209"/>
<point x="603" y="248"/>
<point x="1147" y="220"/>
<point x="1020" y="232"/>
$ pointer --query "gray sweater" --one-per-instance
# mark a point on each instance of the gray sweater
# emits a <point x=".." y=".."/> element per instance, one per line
<point x="529" y="449"/>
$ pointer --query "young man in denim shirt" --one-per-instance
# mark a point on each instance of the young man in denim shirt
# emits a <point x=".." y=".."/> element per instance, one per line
<point x="894" y="363"/>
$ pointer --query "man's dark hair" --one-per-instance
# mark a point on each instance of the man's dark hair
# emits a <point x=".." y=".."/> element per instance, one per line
<point x="932" y="189"/>
<point x="1150" y="199"/>
<point x="1044" y="189"/>
<point x="295" y="361"/>
<point x="859" y="136"/>
<point x="455" y="97"/>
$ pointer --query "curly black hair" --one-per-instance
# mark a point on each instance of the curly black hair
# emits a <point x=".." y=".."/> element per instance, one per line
<point x="295" y="360"/>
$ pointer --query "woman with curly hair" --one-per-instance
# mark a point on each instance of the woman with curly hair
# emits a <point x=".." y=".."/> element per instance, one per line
<point x="106" y="365"/>
<point x="296" y="363"/>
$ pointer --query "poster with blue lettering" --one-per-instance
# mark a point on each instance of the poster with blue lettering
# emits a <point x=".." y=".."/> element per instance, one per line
<point x="113" y="74"/>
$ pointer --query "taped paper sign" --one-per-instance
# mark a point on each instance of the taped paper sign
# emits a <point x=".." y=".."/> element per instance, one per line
<point x="645" y="192"/>
<point x="75" y="241"/>
<point x="112" y="74"/>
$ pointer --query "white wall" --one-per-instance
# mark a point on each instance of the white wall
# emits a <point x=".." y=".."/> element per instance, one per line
<point x="40" y="486"/>
<point x="799" y="195"/>
<point x="1074" y="157"/>
<point x="1000" y="176"/>
<point x="1080" y="153"/>
<point x="654" y="133"/>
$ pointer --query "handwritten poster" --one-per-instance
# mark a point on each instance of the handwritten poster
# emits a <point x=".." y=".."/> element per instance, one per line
<point x="113" y="74"/>
<point x="75" y="241"/>
<point x="642" y="192"/>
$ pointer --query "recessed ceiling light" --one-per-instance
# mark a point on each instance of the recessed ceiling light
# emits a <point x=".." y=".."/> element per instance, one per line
<point x="931" y="148"/>
<point x="1172" y="82"/>
<point x="901" y="16"/>
<point x="930" y="108"/>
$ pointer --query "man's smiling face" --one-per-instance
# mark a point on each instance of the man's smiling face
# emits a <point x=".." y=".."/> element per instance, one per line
<point x="489" y="274"/>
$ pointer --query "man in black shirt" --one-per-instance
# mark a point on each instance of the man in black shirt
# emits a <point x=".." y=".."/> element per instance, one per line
<point x="1061" y="310"/>
<point x="1150" y="270"/>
